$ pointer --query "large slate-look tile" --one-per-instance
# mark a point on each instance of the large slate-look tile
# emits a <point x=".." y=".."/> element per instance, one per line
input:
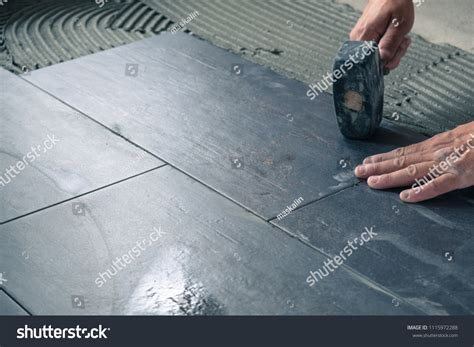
<point x="8" y="307"/>
<point x="67" y="154"/>
<point x="254" y="136"/>
<point x="408" y="256"/>
<point x="210" y="256"/>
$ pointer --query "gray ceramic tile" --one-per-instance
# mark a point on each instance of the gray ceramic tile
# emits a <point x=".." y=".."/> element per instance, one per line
<point x="8" y="307"/>
<point x="204" y="255"/>
<point x="423" y="252"/>
<point x="56" y="152"/>
<point x="244" y="130"/>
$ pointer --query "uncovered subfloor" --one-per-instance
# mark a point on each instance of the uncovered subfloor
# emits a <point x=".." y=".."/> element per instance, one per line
<point x="183" y="154"/>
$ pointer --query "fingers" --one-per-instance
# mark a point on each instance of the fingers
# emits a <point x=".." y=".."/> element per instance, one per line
<point x="433" y="167"/>
<point x="415" y="148"/>
<point x="391" y="165"/>
<point x="432" y="145"/>
<point x="387" y="22"/>
<point x="400" y="178"/>
<point x="399" y="55"/>
<point x="391" y="41"/>
<point x="372" y="24"/>
<point x="439" y="186"/>
<point x="366" y="32"/>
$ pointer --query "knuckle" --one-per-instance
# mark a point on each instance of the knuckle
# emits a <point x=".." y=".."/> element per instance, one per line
<point x="369" y="160"/>
<point x="390" y="49"/>
<point x="366" y="34"/>
<point x="400" y="151"/>
<point x="356" y="32"/>
<point x="372" y="168"/>
<point x="438" y="137"/>
<point x="400" y="162"/>
<point x="385" y="179"/>
<point x="450" y="135"/>
<point x="458" y="143"/>
<point x="442" y="154"/>
<point x="464" y="161"/>
<point x="445" y="136"/>
<point x="412" y="170"/>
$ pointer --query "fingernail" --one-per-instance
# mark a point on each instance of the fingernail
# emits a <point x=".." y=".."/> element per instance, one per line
<point x="367" y="160"/>
<point x="373" y="179"/>
<point x="405" y="195"/>
<point x="360" y="170"/>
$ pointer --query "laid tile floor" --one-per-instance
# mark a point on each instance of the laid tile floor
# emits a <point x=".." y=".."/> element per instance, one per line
<point x="161" y="197"/>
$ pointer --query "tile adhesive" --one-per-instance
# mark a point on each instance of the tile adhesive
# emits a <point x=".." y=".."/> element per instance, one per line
<point x="35" y="34"/>
<point x="430" y="92"/>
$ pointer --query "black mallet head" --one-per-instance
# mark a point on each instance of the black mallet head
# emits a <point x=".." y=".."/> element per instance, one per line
<point x="358" y="93"/>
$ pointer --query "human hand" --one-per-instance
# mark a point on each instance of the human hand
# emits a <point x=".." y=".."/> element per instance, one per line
<point x="387" y="22"/>
<point x="433" y="167"/>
